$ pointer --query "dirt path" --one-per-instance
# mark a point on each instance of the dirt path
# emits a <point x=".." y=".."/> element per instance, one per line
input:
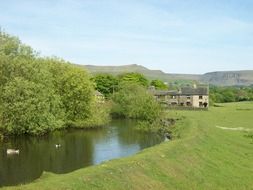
<point x="234" y="129"/>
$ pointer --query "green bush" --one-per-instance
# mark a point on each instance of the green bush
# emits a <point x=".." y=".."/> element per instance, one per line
<point x="99" y="117"/>
<point x="29" y="108"/>
<point x="75" y="89"/>
<point x="134" y="101"/>
<point x="38" y="95"/>
<point x="158" y="84"/>
<point x="230" y="94"/>
<point x="106" y="84"/>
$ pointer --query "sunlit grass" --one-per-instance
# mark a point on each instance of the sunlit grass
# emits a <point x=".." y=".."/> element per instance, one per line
<point x="204" y="157"/>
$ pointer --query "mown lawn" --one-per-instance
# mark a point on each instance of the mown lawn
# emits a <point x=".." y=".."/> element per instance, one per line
<point x="204" y="157"/>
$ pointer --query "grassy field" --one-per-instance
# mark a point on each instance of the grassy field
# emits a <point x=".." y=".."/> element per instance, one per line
<point x="208" y="155"/>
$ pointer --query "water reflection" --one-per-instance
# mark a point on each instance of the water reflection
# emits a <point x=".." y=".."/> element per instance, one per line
<point x="79" y="148"/>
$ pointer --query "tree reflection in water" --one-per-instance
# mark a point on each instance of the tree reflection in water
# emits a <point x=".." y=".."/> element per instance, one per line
<point x="79" y="148"/>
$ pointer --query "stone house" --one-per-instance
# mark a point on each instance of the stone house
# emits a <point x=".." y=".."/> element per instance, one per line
<point x="196" y="97"/>
<point x="99" y="97"/>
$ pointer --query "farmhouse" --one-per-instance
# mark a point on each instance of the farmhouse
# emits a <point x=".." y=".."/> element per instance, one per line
<point x="99" y="97"/>
<point x="196" y="97"/>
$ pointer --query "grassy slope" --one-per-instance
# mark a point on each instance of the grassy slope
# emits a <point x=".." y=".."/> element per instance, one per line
<point x="205" y="157"/>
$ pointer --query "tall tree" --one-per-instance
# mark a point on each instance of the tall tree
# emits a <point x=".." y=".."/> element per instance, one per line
<point x="38" y="95"/>
<point x="134" y="78"/>
<point x="106" y="84"/>
<point x="158" y="84"/>
<point x="75" y="88"/>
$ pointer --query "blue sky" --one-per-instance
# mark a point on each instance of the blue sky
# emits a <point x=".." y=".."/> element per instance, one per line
<point x="176" y="36"/>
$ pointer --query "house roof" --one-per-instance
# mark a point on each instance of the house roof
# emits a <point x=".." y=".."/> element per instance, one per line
<point x="163" y="92"/>
<point x="97" y="93"/>
<point x="184" y="91"/>
<point x="194" y="91"/>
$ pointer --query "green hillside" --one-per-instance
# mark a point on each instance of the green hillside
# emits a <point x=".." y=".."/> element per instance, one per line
<point x="151" y="74"/>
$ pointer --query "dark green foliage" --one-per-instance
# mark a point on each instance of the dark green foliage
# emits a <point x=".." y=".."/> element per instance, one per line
<point x="230" y="94"/>
<point x="134" y="78"/>
<point x="106" y="84"/>
<point x="158" y="84"/>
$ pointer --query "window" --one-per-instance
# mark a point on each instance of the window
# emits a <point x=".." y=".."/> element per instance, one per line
<point x="200" y="104"/>
<point x="173" y="103"/>
<point x="188" y="97"/>
<point x="200" y="97"/>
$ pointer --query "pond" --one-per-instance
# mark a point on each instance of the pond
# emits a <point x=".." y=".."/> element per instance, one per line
<point x="78" y="149"/>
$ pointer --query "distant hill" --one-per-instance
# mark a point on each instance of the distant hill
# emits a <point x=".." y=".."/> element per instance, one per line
<point x="150" y="74"/>
<point x="221" y="78"/>
<point x="229" y="78"/>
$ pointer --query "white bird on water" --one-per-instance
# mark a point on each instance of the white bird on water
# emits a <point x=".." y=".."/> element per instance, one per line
<point x="12" y="151"/>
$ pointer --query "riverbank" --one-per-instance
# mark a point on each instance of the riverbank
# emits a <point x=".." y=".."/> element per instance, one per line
<point x="77" y="149"/>
<point x="201" y="157"/>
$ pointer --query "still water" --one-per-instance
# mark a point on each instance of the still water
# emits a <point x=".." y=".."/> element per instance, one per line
<point x="79" y="148"/>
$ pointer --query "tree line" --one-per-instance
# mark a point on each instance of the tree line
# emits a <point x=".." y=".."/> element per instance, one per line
<point x="38" y="94"/>
<point x="230" y="94"/>
<point x="42" y="94"/>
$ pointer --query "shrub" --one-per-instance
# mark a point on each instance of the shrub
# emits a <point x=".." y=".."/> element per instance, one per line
<point x="99" y="117"/>
<point x="134" y="101"/>
<point x="29" y="108"/>
<point x="38" y="95"/>
<point x="158" y="84"/>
